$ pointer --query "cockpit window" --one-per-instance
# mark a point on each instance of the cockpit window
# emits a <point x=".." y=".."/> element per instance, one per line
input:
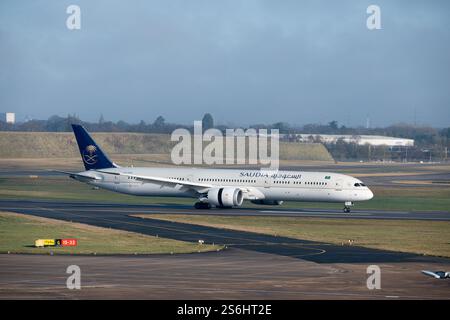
<point x="357" y="185"/>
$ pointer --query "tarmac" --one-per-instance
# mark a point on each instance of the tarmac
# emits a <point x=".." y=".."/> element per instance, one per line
<point x="253" y="266"/>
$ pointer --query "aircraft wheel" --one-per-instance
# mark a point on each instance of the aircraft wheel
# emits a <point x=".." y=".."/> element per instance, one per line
<point x="202" y="205"/>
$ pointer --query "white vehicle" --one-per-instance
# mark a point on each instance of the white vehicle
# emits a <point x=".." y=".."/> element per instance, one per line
<point x="223" y="188"/>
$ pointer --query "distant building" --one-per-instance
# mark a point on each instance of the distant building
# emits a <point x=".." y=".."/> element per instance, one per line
<point x="8" y="117"/>
<point x="358" y="139"/>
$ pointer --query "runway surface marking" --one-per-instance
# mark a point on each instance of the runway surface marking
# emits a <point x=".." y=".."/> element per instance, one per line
<point x="318" y="213"/>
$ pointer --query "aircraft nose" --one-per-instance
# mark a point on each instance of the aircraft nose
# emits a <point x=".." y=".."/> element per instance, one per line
<point x="369" y="194"/>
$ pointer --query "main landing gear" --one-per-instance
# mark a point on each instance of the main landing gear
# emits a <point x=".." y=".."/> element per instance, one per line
<point x="202" y="205"/>
<point x="347" y="206"/>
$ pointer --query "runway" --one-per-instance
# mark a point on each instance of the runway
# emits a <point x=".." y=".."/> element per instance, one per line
<point x="252" y="266"/>
<point x="129" y="209"/>
<point x="119" y="217"/>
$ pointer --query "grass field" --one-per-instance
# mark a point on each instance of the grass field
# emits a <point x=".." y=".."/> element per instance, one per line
<point x="63" y="145"/>
<point x="18" y="233"/>
<point x="422" y="237"/>
<point x="63" y="188"/>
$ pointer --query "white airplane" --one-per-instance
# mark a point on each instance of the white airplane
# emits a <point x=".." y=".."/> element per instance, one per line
<point x="222" y="188"/>
<point x="437" y="274"/>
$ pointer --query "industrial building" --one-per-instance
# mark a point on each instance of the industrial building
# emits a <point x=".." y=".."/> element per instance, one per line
<point x="358" y="139"/>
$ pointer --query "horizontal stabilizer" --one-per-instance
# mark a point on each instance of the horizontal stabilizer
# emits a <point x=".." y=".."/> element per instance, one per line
<point x="78" y="176"/>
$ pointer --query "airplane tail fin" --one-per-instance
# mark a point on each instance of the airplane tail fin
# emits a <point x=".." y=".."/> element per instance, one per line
<point x="92" y="155"/>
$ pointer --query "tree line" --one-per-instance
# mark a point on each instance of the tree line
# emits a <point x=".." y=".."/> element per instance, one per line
<point x="430" y="143"/>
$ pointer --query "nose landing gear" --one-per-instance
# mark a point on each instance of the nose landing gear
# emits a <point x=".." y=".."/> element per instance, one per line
<point x="347" y="206"/>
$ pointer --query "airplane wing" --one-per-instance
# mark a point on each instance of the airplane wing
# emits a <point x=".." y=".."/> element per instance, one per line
<point x="437" y="274"/>
<point x="249" y="192"/>
<point x="199" y="187"/>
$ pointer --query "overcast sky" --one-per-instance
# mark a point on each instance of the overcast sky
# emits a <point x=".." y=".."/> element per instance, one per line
<point x="247" y="61"/>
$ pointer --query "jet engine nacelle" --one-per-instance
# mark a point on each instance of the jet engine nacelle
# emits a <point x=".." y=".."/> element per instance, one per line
<point x="225" y="197"/>
<point x="268" y="202"/>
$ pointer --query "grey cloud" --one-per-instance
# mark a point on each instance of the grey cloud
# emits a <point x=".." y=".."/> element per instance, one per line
<point x="242" y="61"/>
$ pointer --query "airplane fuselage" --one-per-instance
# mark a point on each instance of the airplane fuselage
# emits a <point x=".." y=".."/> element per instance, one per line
<point x="261" y="185"/>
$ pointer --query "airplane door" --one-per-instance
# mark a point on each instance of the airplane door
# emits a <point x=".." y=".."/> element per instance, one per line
<point x="116" y="181"/>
